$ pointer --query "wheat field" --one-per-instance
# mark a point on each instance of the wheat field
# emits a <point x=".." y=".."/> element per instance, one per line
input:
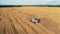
<point x="15" y="20"/>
